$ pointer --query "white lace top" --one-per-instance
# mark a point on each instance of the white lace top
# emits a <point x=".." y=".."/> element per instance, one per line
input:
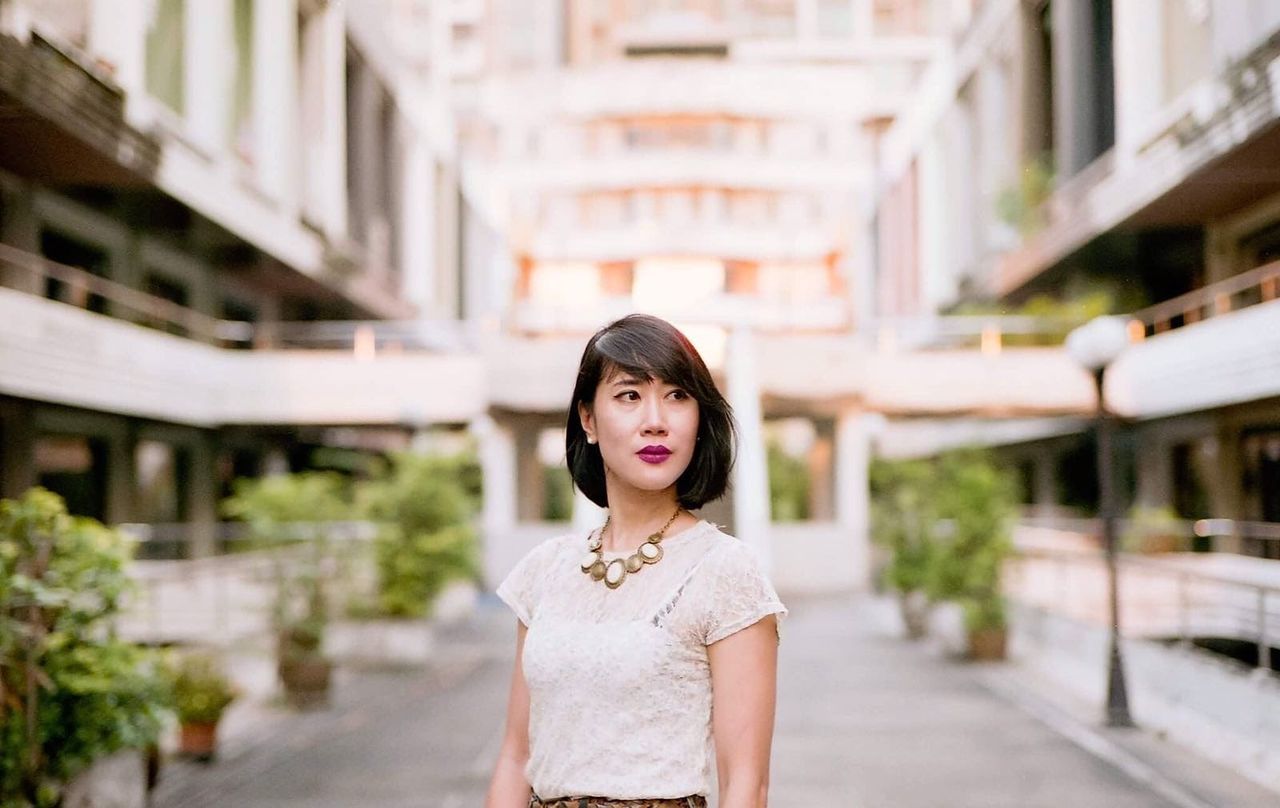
<point x="619" y="685"/>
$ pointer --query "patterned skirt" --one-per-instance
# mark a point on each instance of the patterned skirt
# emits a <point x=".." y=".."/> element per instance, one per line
<point x="696" y="801"/>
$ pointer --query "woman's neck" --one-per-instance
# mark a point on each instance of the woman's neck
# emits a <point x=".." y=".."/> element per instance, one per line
<point x="635" y="516"/>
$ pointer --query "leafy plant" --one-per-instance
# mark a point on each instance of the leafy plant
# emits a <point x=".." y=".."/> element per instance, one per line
<point x="290" y="514"/>
<point x="904" y="522"/>
<point x="788" y="486"/>
<point x="423" y="507"/>
<point x="976" y="499"/>
<point x="70" y="691"/>
<point x="201" y="689"/>
<point x="946" y="523"/>
<point x="1021" y="205"/>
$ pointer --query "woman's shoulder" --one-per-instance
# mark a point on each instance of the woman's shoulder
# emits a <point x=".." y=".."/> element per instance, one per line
<point x="726" y="550"/>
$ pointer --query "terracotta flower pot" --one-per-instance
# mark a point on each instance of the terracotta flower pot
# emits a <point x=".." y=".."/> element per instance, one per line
<point x="987" y="644"/>
<point x="199" y="740"/>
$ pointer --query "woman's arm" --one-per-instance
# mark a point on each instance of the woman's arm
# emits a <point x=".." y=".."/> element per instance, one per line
<point x="744" y="675"/>
<point x="507" y="787"/>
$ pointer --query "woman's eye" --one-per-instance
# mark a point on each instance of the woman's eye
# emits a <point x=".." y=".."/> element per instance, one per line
<point x="629" y="395"/>
<point x="679" y="395"/>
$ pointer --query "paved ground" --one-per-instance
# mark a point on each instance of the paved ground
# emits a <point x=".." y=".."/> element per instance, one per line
<point x="864" y="720"/>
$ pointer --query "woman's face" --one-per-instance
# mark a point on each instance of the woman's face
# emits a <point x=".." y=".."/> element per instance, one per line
<point x="646" y="430"/>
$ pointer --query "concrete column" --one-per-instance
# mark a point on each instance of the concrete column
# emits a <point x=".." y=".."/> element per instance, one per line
<point x="17" y="448"/>
<point x="1155" y="471"/>
<point x="210" y="47"/>
<point x="118" y="35"/>
<point x="416" y="229"/>
<point x="122" y="478"/>
<point x="750" y="472"/>
<point x="497" y="449"/>
<point x="20" y="228"/>
<point x="822" y="472"/>
<point x="1139" y="90"/>
<point x="323" y="122"/>
<point x="853" y="490"/>
<point x="275" y="100"/>
<point x="1045" y="483"/>
<point x="529" y="482"/>
<point x="202" y="495"/>
<point x="1225" y="483"/>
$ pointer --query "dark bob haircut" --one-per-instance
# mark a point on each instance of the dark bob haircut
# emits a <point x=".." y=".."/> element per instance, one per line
<point x="651" y="348"/>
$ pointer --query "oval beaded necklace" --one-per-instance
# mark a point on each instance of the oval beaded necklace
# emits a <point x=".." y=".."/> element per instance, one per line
<point x="615" y="572"/>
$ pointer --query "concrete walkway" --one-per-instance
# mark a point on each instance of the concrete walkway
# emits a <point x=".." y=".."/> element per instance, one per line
<point x="865" y="720"/>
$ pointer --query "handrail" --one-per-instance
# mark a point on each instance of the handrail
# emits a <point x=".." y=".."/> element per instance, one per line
<point x="1212" y="300"/>
<point x="361" y="336"/>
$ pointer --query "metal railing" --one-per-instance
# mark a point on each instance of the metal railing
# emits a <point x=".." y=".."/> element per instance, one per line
<point x="1258" y="285"/>
<point x="78" y="287"/>
<point x="1220" y="535"/>
<point x="226" y="598"/>
<point x="1159" y="598"/>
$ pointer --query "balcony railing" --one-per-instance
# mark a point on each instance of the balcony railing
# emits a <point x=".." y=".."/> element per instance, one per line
<point x="75" y="286"/>
<point x="1258" y="285"/>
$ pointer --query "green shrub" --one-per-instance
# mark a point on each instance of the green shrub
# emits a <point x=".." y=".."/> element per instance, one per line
<point x="70" y="691"/>
<point x="788" y="486"/>
<point x="424" y="507"/>
<point x="201" y="689"/>
<point x="289" y="513"/>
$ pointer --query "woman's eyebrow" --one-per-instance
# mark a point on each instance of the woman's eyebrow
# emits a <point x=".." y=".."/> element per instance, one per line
<point x="624" y="380"/>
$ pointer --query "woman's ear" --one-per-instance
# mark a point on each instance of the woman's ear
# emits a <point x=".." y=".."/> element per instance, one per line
<point x="588" y="422"/>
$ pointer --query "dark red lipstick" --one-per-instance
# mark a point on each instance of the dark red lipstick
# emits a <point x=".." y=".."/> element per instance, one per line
<point x="654" y="454"/>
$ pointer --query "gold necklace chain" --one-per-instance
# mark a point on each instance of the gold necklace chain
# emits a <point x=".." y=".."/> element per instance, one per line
<point x="615" y="572"/>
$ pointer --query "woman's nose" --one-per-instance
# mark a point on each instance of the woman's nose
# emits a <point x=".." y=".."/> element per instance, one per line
<point x="654" y="417"/>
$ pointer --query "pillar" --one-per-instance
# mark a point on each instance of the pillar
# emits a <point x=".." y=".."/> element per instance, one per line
<point x="853" y="490"/>
<point x="209" y="39"/>
<point x="202" y="496"/>
<point x="750" y="472"/>
<point x="1155" y="471"/>
<point x="1044" y="492"/>
<point x="1226" y="483"/>
<point x="530" y="484"/>
<point x="322" y="130"/>
<point x="17" y="448"/>
<point x="822" y="472"/>
<point x="497" y="450"/>
<point x="275" y="102"/>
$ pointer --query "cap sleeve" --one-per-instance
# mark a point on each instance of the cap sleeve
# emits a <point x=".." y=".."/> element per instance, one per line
<point x="521" y="589"/>
<point x="738" y="594"/>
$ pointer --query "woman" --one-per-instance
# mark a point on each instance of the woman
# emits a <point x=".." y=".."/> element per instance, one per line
<point x="642" y="642"/>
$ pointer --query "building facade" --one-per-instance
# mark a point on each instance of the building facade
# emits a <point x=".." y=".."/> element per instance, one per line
<point x="1068" y="147"/>
<point x="177" y="179"/>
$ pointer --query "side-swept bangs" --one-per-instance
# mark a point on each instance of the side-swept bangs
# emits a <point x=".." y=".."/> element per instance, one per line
<point x="649" y="348"/>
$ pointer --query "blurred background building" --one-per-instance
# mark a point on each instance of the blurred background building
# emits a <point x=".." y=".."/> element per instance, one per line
<point x="243" y="236"/>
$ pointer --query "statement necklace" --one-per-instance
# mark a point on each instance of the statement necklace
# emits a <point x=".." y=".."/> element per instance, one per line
<point x="615" y="572"/>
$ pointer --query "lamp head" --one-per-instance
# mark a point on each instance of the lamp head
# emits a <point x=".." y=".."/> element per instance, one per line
<point x="1098" y="342"/>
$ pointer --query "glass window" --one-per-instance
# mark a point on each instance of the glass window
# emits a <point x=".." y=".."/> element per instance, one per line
<point x="160" y="471"/>
<point x="75" y="468"/>
<point x="166" y="67"/>
<point x="240" y="126"/>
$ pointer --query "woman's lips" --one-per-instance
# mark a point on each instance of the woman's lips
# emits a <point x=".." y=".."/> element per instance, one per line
<point x="654" y="454"/>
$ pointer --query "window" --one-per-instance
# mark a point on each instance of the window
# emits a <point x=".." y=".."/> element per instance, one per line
<point x="75" y="468"/>
<point x="166" y="67"/>
<point x="240" y="124"/>
<point x="160" y="470"/>
<point x="72" y="252"/>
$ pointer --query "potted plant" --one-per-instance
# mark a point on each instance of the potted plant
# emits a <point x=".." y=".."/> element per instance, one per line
<point x="201" y="693"/>
<point x="1154" y="530"/>
<point x="290" y="516"/>
<point x="975" y="498"/>
<point x="75" y="700"/>
<point x="904" y="522"/>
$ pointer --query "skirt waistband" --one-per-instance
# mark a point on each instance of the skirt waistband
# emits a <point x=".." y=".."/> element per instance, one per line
<point x="695" y="801"/>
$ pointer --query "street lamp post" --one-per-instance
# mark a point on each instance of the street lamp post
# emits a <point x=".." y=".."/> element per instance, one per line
<point x="1094" y="346"/>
